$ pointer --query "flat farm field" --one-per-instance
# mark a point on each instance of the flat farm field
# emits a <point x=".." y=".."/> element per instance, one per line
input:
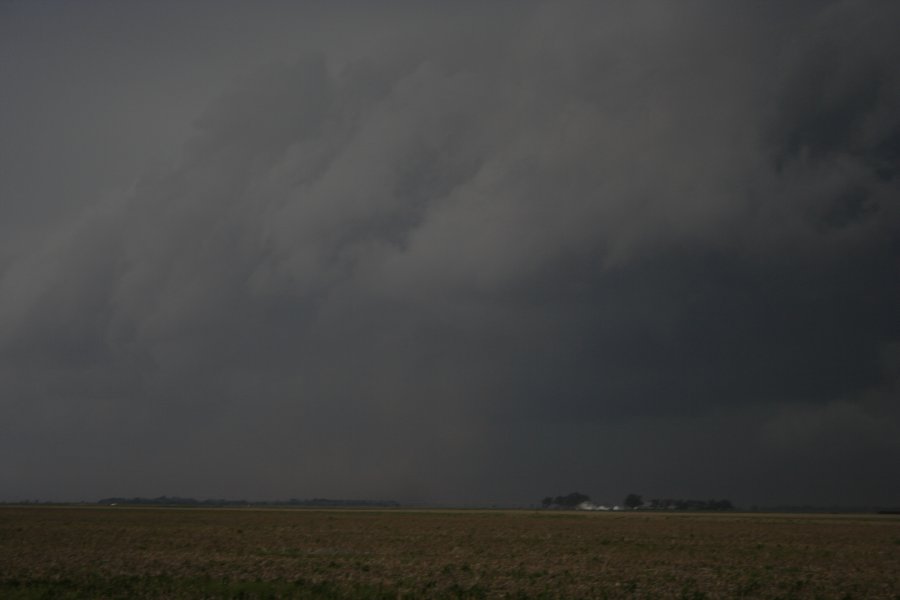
<point x="119" y="552"/>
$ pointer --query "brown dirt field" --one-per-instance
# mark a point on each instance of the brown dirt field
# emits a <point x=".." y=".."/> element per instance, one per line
<point x="76" y="552"/>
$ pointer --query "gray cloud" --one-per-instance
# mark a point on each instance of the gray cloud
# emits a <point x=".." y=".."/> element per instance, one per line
<point x="462" y="255"/>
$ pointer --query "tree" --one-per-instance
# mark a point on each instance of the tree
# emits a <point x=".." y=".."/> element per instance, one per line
<point x="568" y="501"/>
<point x="632" y="501"/>
<point x="572" y="500"/>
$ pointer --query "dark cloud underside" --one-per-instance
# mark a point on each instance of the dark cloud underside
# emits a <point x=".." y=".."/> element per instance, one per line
<point x="456" y="255"/>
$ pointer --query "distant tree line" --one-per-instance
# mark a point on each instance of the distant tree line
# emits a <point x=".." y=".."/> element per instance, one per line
<point x="342" y="502"/>
<point x="679" y="504"/>
<point x="635" y="502"/>
<point x="312" y="502"/>
<point x="568" y="501"/>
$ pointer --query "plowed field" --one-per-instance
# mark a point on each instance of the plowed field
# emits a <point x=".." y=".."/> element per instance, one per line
<point x="120" y="552"/>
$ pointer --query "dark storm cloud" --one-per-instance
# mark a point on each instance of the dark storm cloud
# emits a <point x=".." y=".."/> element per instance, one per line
<point x="479" y="254"/>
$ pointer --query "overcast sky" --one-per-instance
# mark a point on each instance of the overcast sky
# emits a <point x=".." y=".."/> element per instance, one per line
<point x="450" y="252"/>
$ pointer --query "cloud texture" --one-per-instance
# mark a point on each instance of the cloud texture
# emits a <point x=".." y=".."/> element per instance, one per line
<point x="472" y="255"/>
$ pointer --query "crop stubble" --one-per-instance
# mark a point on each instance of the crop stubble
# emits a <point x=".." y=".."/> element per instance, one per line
<point x="153" y="552"/>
